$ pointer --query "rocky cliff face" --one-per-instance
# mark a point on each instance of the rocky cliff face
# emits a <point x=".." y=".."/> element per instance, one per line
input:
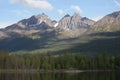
<point x="75" y="25"/>
<point x="34" y="22"/>
<point x="3" y="35"/>
<point x="27" y="27"/>
<point x="109" y="23"/>
<point x="42" y="33"/>
<point x="75" y="22"/>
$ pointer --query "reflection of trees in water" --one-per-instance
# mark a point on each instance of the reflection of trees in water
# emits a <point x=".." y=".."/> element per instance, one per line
<point x="60" y="76"/>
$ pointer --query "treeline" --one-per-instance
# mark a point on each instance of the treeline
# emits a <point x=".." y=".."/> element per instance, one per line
<point x="57" y="62"/>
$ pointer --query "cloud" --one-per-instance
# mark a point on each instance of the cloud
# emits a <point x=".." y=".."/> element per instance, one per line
<point x="60" y="11"/>
<point x="38" y="4"/>
<point x="117" y="3"/>
<point x="76" y="8"/>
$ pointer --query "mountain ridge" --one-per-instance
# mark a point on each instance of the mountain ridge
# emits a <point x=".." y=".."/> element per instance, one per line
<point x="71" y="24"/>
<point x="108" y="23"/>
<point x="66" y="35"/>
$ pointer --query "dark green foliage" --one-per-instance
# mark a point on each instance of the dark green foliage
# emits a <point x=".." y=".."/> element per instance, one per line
<point x="64" y="61"/>
<point x="117" y="62"/>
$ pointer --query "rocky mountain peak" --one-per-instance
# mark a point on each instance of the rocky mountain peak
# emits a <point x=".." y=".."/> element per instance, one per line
<point x="115" y="14"/>
<point x="75" y="24"/>
<point x="84" y="18"/>
<point x="109" y="23"/>
<point x="87" y="21"/>
<point x="76" y="15"/>
<point x="67" y="15"/>
<point x="43" y="15"/>
<point x="34" y="22"/>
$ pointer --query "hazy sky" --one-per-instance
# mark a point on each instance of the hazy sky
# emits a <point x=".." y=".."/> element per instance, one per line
<point x="12" y="11"/>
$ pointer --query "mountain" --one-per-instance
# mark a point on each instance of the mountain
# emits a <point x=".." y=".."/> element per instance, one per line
<point x="109" y="23"/>
<point x="2" y="34"/>
<point x="72" y="34"/>
<point x="33" y="26"/>
<point x="74" y="24"/>
<point x="40" y="31"/>
<point x="41" y="21"/>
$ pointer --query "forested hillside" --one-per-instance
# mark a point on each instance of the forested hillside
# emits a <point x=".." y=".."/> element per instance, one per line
<point x="59" y="62"/>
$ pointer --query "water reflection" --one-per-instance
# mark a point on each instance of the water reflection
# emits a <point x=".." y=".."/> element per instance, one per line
<point x="61" y="76"/>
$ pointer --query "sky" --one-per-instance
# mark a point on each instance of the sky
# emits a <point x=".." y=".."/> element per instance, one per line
<point x="11" y="11"/>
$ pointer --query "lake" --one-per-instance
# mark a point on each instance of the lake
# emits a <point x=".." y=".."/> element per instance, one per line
<point x="61" y="76"/>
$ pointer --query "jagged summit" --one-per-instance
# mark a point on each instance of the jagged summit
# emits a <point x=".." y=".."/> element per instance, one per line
<point x="67" y="15"/>
<point x="42" y="15"/>
<point x="75" y="15"/>
<point x="42" y="22"/>
<point x="73" y="25"/>
<point x="69" y="34"/>
<point x="34" y="22"/>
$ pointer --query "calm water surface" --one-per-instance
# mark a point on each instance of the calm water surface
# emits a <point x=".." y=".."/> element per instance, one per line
<point x="61" y="76"/>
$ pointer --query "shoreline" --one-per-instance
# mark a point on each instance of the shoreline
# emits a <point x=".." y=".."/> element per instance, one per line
<point x="51" y="71"/>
